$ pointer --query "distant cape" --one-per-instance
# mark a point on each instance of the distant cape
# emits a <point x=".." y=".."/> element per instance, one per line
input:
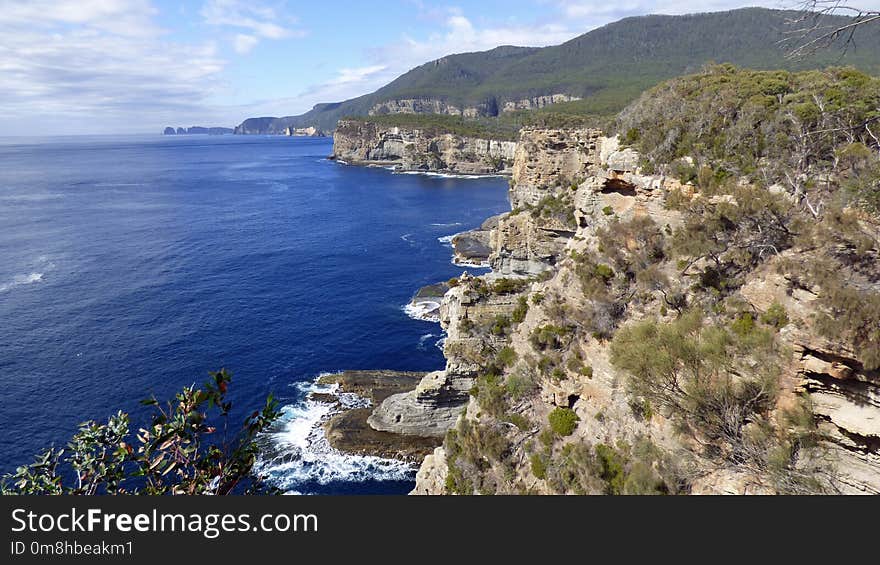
<point x="196" y="130"/>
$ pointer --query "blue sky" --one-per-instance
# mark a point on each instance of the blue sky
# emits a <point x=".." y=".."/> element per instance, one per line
<point x="127" y="66"/>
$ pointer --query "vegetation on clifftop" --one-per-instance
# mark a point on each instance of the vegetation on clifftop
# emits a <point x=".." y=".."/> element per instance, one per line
<point x="794" y="130"/>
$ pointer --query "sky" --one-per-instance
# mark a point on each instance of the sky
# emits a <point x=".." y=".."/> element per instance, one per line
<point x="135" y="66"/>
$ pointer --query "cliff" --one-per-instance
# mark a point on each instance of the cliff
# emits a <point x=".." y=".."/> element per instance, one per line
<point x="365" y="142"/>
<point x="661" y="318"/>
<point x="554" y="403"/>
<point x="490" y="108"/>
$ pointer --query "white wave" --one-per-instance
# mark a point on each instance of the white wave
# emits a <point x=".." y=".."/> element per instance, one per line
<point x="303" y="454"/>
<point x="20" y="280"/>
<point x="424" y="339"/>
<point x="424" y="310"/>
<point x="446" y="175"/>
<point x="452" y="225"/>
<point x="440" y="343"/>
<point x="447" y="239"/>
<point x="407" y="237"/>
<point x="471" y="264"/>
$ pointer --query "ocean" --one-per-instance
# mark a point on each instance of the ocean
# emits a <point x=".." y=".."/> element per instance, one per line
<point x="131" y="266"/>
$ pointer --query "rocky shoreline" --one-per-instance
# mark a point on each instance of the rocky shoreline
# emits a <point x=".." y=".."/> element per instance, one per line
<point x="348" y="430"/>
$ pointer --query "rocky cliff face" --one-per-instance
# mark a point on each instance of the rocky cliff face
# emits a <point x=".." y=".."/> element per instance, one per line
<point x="435" y="405"/>
<point x="502" y="443"/>
<point x="365" y="142"/>
<point x="536" y="102"/>
<point x="421" y="106"/>
<point x="304" y="132"/>
<point x="490" y="108"/>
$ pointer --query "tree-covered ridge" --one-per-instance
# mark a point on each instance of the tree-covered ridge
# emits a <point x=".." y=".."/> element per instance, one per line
<point x="607" y="67"/>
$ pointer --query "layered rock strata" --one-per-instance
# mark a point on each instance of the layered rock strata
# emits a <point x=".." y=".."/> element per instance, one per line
<point x="364" y="142"/>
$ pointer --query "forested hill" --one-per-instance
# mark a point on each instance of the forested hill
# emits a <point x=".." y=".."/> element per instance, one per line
<point x="607" y="68"/>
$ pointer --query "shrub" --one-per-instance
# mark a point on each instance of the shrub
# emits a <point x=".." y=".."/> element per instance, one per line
<point x="575" y="470"/>
<point x="611" y="468"/>
<point x="775" y="316"/>
<point x="174" y="454"/>
<point x="509" y="286"/>
<point x="714" y="381"/>
<point x="608" y="211"/>
<point x="563" y="421"/>
<point x="490" y="394"/>
<point x="852" y="313"/>
<point x="559" y="208"/>
<point x="520" y="383"/>
<point x="548" y="337"/>
<point x="506" y="356"/>
<point x="519" y="313"/>
<point x="520" y="421"/>
<point x="539" y="466"/>
<point x="743" y="325"/>
<point x="604" y="272"/>
<point x="500" y="325"/>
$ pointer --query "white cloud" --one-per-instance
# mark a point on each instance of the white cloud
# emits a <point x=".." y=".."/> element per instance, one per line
<point x="243" y="43"/>
<point x="358" y="75"/>
<point x="75" y="66"/>
<point x="258" y="20"/>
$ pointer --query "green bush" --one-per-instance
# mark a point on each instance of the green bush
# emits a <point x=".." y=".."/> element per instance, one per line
<point x="775" y="316"/>
<point x="548" y="337"/>
<point x="611" y="469"/>
<point x="604" y="272"/>
<point x="520" y="421"/>
<point x="178" y="453"/>
<point x="506" y="356"/>
<point x="509" y="286"/>
<point x="563" y="421"/>
<point x="743" y="325"/>
<point x="713" y="381"/>
<point x="539" y="466"/>
<point x="501" y="325"/>
<point x="519" y="313"/>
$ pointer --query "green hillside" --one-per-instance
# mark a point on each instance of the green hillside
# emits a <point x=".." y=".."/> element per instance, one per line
<point x="607" y="67"/>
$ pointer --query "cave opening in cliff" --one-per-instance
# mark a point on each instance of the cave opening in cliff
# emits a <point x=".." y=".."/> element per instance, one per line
<point x="618" y="186"/>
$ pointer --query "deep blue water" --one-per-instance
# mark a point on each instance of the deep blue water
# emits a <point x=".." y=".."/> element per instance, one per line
<point x="132" y="266"/>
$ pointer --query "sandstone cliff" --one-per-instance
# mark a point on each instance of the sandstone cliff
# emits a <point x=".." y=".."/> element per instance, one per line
<point x="364" y="142"/>
<point x="545" y="352"/>
<point x="491" y="108"/>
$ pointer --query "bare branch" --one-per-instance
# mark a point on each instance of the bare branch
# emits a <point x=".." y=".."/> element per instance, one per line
<point x="821" y="24"/>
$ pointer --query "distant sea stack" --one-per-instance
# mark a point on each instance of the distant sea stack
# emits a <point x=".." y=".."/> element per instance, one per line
<point x="197" y="130"/>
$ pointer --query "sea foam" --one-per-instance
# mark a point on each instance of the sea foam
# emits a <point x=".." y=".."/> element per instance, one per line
<point x="302" y="454"/>
<point x="424" y="310"/>
<point x="20" y="280"/>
